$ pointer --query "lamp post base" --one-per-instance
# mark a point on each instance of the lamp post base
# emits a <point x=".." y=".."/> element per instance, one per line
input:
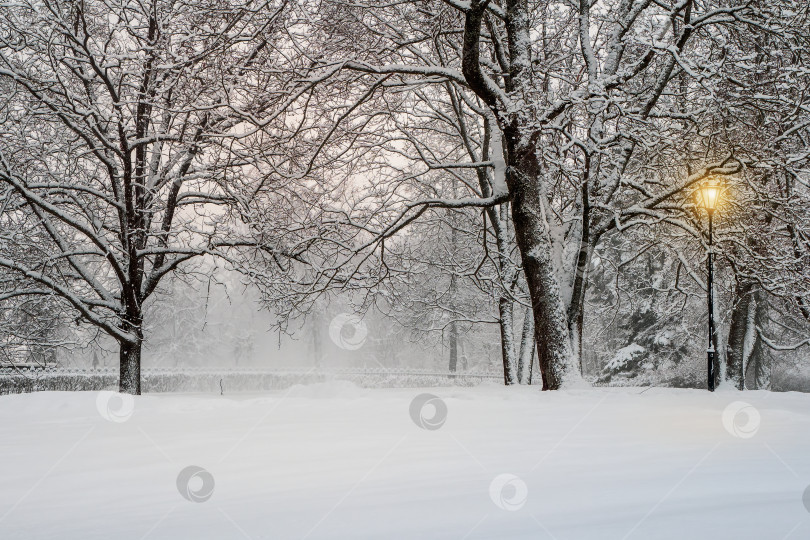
<point x="710" y="370"/>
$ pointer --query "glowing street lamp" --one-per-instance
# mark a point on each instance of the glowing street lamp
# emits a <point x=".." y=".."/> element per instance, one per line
<point x="708" y="197"/>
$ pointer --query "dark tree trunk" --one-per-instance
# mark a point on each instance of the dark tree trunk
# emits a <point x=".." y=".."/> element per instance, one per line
<point x="736" y="335"/>
<point x="530" y="204"/>
<point x="762" y="364"/>
<point x="759" y="361"/>
<point x="506" y="313"/>
<point x="129" y="380"/>
<point x="576" y="308"/>
<point x="744" y="351"/>
<point x="530" y="216"/>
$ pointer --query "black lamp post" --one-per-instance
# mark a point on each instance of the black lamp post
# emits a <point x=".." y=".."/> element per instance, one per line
<point x="709" y="194"/>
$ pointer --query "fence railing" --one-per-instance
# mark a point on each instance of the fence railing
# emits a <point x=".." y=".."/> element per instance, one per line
<point x="232" y="379"/>
<point x="34" y="369"/>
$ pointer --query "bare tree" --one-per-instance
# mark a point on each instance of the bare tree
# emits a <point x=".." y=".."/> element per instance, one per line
<point x="572" y="91"/>
<point x="119" y="122"/>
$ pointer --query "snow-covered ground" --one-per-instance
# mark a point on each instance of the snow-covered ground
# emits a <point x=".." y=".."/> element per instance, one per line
<point x="334" y="461"/>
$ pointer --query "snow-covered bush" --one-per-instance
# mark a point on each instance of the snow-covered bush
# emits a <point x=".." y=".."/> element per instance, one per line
<point x="625" y="359"/>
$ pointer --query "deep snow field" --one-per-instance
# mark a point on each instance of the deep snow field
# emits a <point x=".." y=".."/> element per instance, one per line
<point x="335" y="461"/>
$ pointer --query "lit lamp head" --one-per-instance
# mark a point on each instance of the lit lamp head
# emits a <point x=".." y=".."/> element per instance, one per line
<point x="709" y="194"/>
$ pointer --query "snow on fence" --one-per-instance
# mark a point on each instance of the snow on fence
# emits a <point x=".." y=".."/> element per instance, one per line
<point x="15" y="380"/>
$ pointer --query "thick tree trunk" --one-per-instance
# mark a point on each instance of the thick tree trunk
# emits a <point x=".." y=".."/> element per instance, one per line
<point x="757" y="366"/>
<point x="736" y="338"/>
<point x="759" y="353"/>
<point x="762" y="367"/>
<point x="533" y="236"/>
<point x="744" y="351"/>
<point x="129" y="376"/>
<point x="506" y="313"/>
<point x="129" y="380"/>
<point x="736" y="335"/>
<point x="530" y="210"/>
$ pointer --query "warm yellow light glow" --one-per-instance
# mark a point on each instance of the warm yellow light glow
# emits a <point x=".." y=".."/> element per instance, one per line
<point x="709" y="195"/>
